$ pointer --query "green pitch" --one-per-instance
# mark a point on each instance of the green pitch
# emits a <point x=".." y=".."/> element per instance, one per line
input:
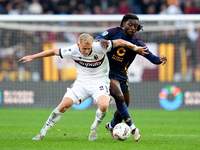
<point x="160" y="130"/>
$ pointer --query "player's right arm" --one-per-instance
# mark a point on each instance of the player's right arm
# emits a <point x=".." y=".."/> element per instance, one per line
<point x="108" y="34"/>
<point x="47" y="53"/>
<point x="123" y="43"/>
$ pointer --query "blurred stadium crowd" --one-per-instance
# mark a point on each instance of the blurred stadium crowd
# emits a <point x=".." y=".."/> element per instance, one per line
<point x="99" y="6"/>
<point x="29" y="41"/>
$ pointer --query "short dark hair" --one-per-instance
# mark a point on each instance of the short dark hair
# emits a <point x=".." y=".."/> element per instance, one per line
<point x="127" y="17"/>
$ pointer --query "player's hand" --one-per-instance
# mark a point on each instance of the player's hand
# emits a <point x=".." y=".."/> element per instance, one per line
<point x="104" y="43"/>
<point x="163" y="59"/>
<point x="26" y="59"/>
<point x="142" y="50"/>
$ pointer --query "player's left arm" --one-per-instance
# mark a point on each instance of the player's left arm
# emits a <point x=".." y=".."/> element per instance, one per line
<point x="152" y="58"/>
<point x="156" y="59"/>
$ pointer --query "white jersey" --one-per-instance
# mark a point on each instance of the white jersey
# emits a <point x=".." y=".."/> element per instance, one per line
<point x="94" y="66"/>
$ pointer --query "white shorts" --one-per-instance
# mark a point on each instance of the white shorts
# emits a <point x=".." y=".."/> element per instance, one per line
<point x="80" y="91"/>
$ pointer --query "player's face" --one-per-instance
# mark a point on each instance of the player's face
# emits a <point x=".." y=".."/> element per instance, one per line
<point x="85" y="48"/>
<point x="130" y="27"/>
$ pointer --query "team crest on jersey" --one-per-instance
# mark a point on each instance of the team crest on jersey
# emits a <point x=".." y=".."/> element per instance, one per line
<point x="96" y="57"/>
<point x="121" y="52"/>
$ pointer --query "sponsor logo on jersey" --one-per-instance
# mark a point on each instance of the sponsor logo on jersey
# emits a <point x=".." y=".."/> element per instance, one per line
<point x="120" y="59"/>
<point x="64" y="51"/>
<point x="105" y="33"/>
<point x="90" y="64"/>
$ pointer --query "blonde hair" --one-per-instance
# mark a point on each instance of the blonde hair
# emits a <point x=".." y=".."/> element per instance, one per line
<point x="85" y="38"/>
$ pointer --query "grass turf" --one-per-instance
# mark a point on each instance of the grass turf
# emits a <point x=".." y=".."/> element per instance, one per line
<point x="160" y="129"/>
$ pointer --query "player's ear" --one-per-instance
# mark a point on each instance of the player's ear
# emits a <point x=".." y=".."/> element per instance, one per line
<point x="78" y="45"/>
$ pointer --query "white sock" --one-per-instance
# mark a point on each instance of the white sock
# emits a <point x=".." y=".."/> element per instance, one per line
<point x="98" y="118"/>
<point x="53" y="119"/>
<point x="132" y="127"/>
<point x="110" y="126"/>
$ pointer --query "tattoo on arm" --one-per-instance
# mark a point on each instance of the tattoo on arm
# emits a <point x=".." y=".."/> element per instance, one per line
<point x="127" y="44"/>
<point x="124" y="44"/>
<point x="114" y="44"/>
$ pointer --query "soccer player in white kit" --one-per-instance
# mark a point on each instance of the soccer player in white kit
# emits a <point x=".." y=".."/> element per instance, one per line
<point x="92" y="80"/>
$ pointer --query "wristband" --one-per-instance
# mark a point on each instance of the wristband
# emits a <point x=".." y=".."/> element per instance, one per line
<point x="135" y="48"/>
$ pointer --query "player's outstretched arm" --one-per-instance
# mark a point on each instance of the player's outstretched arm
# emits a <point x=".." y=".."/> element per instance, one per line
<point x="140" y="50"/>
<point x="39" y="55"/>
<point x="119" y="42"/>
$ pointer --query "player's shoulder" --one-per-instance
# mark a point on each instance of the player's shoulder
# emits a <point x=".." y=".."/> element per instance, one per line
<point x="74" y="47"/>
<point x="136" y="38"/>
<point x="71" y="49"/>
<point x="97" y="48"/>
<point x="96" y="45"/>
<point x="115" y="29"/>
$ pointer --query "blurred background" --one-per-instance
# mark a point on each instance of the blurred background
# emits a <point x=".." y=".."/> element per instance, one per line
<point x="99" y="6"/>
<point x="170" y="28"/>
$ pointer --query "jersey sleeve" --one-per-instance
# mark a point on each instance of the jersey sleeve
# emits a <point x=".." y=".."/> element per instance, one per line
<point x="106" y="34"/>
<point x="66" y="52"/>
<point x="151" y="57"/>
<point x="110" y="45"/>
<point x="97" y="46"/>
